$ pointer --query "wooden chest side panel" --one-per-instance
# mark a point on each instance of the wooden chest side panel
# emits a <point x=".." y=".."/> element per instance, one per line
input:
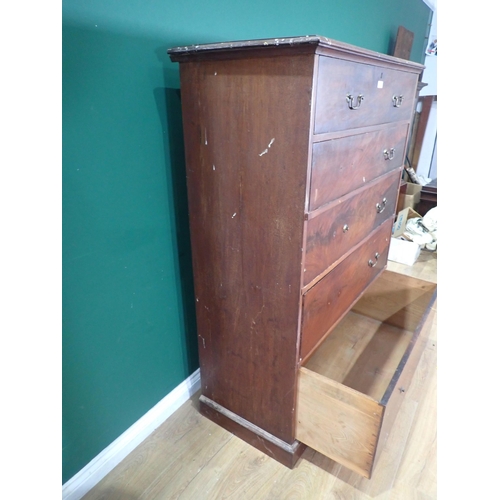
<point x="246" y="126"/>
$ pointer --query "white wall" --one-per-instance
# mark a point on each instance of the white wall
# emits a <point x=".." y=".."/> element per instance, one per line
<point x="430" y="71"/>
<point x="427" y="163"/>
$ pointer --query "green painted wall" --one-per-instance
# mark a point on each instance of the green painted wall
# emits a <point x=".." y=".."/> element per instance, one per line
<point x="129" y="331"/>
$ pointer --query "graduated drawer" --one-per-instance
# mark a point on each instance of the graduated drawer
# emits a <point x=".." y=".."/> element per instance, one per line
<point x="350" y="390"/>
<point x="341" y="165"/>
<point x="345" y="223"/>
<point x="327" y="301"/>
<point x="382" y="90"/>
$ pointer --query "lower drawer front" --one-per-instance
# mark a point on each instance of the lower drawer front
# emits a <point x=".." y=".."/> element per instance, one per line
<point x="329" y="299"/>
<point x="350" y="390"/>
<point x="332" y="233"/>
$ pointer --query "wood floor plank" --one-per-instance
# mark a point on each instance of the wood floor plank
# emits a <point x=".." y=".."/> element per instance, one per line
<point x="425" y="268"/>
<point x="184" y="437"/>
<point x="405" y="492"/>
<point x="237" y="471"/>
<point x="311" y="479"/>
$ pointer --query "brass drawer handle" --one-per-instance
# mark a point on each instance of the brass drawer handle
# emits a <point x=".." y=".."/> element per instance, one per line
<point x="389" y="155"/>
<point x="397" y="101"/>
<point x="371" y="263"/>
<point x="350" y="100"/>
<point x="381" y="207"/>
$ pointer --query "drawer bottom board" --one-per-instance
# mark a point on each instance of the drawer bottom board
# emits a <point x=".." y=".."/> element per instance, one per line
<point x="347" y="386"/>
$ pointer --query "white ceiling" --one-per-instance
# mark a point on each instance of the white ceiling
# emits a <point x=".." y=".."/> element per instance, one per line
<point x="431" y="3"/>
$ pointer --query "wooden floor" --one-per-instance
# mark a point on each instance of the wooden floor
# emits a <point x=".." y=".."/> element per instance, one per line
<point x="189" y="457"/>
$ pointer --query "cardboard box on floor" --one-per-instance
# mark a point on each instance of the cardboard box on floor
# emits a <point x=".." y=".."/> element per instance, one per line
<point x="409" y="197"/>
<point x="400" y="225"/>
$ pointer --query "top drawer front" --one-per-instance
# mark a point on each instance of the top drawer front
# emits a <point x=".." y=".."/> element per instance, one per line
<point x="338" y="79"/>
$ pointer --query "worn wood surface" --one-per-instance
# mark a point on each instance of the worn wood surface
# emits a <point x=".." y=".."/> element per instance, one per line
<point x="319" y="44"/>
<point x="285" y="453"/>
<point x="246" y="140"/>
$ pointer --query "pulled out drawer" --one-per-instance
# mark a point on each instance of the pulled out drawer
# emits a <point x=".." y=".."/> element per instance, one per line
<point x="350" y="390"/>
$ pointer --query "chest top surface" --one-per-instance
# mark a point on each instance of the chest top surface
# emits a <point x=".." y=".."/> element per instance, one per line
<point x="312" y="43"/>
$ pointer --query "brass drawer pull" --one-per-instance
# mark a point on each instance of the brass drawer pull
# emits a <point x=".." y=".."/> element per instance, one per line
<point x="350" y="100"/>
<point x="345" y="228"/>
<point x="381" y="207"/>
<point x="397" y="101"/>
<point x="389" y="155"/>
<point x="371" y="263"/>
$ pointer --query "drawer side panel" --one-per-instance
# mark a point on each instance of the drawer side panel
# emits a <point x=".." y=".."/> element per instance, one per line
<point x="337" y="421"/>
<point x="397" y="392"/>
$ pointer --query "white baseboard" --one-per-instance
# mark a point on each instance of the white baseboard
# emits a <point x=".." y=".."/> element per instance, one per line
<point x="93" y="472"/>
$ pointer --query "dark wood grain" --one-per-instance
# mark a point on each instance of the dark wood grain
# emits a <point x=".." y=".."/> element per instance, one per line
<point x="346" y="223"/>
<point x="419" y="133"/>
<point x="341" y="165"/>
<point x="287" y="455"/>
<point x="252" y="161"/>
<point x="319" y="44"/>
<point x="326" y="303"/>
<point x="337" y="79"/>
<point x="404" y="42"/>
<point x="428" y="198"/>
<point x="246" y="153"/>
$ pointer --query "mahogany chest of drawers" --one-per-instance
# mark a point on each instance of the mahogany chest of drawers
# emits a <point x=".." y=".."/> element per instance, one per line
<point x="294" y="150"/>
